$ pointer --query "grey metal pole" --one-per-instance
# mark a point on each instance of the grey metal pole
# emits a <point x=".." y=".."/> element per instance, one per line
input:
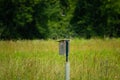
<point x="67" y="71"/>
<point x="67" y="66"/>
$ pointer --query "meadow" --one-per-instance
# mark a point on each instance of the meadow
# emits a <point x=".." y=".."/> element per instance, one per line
<point x="94" y="59"/>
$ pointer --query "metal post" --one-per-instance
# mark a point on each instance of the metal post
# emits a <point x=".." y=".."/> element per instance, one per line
<point x="67" y="71"/>
<point x="67" y="51"/>
<point x="67" y="67"/>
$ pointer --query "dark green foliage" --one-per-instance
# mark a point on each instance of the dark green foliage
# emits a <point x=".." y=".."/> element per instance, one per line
<point x="23" y="19"/>
<point x="42" y="19"/>
<point x="96" y="18"/>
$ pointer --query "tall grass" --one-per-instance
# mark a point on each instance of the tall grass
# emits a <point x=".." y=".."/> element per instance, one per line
<point x="93" y="59"/>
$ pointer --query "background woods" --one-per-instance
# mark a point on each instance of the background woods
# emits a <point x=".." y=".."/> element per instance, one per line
<point x="42" y="19"/>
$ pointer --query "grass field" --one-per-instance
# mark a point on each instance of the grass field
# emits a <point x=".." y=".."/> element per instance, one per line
<point x="93" y="59"/>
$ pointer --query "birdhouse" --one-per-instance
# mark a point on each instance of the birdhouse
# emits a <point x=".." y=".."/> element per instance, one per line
<point x="63" y="47"/>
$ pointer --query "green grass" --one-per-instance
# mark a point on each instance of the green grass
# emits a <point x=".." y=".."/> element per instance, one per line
<point x="93" y="59"/>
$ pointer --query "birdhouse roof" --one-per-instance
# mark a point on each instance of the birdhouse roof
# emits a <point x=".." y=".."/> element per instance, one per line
<point x="63" y="40"/>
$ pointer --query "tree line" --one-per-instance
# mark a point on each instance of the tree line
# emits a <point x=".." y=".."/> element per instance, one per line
<point x="43" y="19"/>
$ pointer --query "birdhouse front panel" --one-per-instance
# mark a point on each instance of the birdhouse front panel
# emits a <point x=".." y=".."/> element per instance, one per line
<point x="62" y="47"/>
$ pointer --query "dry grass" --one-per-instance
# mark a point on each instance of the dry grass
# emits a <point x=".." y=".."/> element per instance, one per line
<point x="93" y="59"/>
